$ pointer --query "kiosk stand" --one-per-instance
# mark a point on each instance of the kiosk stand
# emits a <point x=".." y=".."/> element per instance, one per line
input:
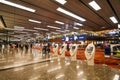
<point x="73" y="51"/>
<point x="89" y="53"/>
<point x="62" y="50"/>
<point x="55" y="49"/>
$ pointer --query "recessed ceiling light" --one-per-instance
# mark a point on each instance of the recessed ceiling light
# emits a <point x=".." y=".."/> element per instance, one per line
<point x="59" y="22"/>
<point x="113" y="19"/>
<point x="70" y="14"/>
<point x="94" y="5"/>
<point x="41" y="29"/>
<point x="53" y="27"/>
<point x="35" y="21"/>
<point x="119" y="26"/>
<point x="61" y="1"/>
<point x="17" y="5"/>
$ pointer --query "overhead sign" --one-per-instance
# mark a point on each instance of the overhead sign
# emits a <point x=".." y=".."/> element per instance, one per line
<point x="81" y="37"/>
<point x="63" y="38"/>
<point x="71" y="38"/>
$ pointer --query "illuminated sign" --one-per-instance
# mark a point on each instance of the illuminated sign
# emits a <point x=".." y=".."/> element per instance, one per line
<point x="81" y="37"/>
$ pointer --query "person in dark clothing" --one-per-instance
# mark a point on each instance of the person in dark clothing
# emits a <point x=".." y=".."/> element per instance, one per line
<point x="107" y="50"/>
<point x="26" y="48"/>
<point x="21" y="46"/>
<point x="44" y="49"/>
<point x="68" y="47"/>
<point x="16" y="45"/>
<point x="48" y="48"/>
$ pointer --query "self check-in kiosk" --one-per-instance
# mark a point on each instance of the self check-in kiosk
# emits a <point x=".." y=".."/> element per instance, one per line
<point x="89" y="53"/>
<point x="55" y="49"/>
<point x="62" y="49"/>
<point x="73" y="51"/>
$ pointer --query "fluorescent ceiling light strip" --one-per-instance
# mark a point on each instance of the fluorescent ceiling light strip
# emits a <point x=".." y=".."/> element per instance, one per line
<point x="36" y="33"/>
<point x="78" y="24"/>
<point x="113" y="19"/>
<point x="28" y="34"/>
<point x="18" y="27"/>
<point x="13" y="29"/>
<point x="20" y="32"/>
<point x="3" y="34"/>
<point x="67" y="30"/>
<point x="30" y="30"/>
<point x="9" y="28"/>
<point x="48" y="33"/>
<point x="23" y="32"/>
<point x="41" y="29"/>
<point x="94" y="5"/>
<point x="12" y="32"/>
<point x="60" y="31"/>
<point x="17" y="5"/>
<point x="75" y="27"/>
<point x="35" y="21"/>
<point x="53" y="27"/>
<point x="119" y="26"/>
<point x="70" y="14"/>
<point x="59" y="22"/>
<point x="18" y="35"/>
<point x="61" y="1"/>
<point x="55" y="33"/>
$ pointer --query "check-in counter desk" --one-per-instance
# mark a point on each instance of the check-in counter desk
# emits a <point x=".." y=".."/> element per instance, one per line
<point x="100" y="59"/>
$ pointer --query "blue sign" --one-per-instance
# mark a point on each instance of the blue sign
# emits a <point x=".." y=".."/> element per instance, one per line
<point x="63" y="38"/>
<point x="71" y="38"/>
<point x="81" y="37"/>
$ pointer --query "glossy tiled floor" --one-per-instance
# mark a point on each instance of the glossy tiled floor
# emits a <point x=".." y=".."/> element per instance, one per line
<point x="16" y="58"/>
<point x="60" y="69"/>
<point x="13" y="57"/>
<point x="55" y="69"/>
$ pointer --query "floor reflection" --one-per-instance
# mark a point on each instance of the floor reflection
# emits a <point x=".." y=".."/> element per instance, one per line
<point x="57" y="70"/>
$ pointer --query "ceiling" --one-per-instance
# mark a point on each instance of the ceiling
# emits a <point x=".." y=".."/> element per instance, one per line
<point x="46" y="13"/>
